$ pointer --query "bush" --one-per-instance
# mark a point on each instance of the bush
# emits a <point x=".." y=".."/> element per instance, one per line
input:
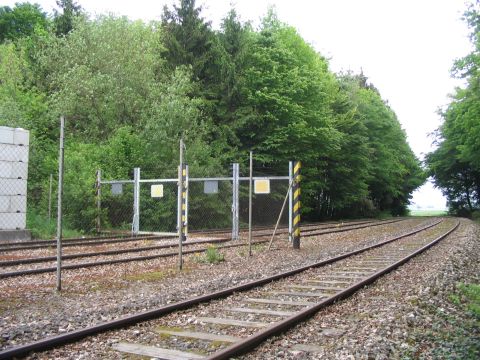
<point x="476" y="215"/>
<point x="212" y="255"/>
<point x="43" y="228"/>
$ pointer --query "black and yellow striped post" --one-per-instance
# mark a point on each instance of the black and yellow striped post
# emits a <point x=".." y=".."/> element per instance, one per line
<point x="296" y="204"/>
<point x="184" y="203"/>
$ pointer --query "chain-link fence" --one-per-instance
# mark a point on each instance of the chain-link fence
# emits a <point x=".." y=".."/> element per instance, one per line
<point x="116" y="210"/>
<point x="212" y="203"/>
<point x="158" y="214"/>
<point x="151" y="209"/>
<point x="138" y="203"/>
<point x="265" y="206"/>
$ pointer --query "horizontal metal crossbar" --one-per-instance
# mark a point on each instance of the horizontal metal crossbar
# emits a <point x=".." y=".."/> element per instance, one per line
<point x="107" y="182"/>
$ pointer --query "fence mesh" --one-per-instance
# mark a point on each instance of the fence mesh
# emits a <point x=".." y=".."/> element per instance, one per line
<point x="116" y="208"/>
<point x="209" y="202"/>
<point x="265" y="207"/>
<point x="210" y="205"/>
<point x="158" y="214"/>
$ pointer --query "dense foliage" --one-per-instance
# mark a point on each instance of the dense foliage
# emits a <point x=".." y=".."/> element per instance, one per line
<point x="129" y="90"/>
<point x="455" y="164"/>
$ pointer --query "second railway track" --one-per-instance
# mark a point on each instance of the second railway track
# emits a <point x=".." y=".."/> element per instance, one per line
<point x="93" y="241"/>
<point x="245" y="315"/>
<point x="15" y="267"/>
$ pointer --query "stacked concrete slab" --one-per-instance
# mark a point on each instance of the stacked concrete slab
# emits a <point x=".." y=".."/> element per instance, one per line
<point x="14" y="146"/>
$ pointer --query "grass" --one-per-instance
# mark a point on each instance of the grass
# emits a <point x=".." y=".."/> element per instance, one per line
<point x="256" y="248"/>
<point x="428" y="212"/>
<point x="43" y="228"/>
<point x="453" y="333"/>
<point x="468" y="298"/>
<point x="476" y="216"/>
<point x="211" y="256"/>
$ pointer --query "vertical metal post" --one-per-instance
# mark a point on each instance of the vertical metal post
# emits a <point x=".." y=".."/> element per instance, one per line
<point x="50" y="198"/>
<point x="179" y="214"/>
<point x="290" y="202"/>
<point x="296" y="204"/>
<point x="136" y="201"/>
<point x="250" y="206"/>
<point x="99" y="199"/>
<point x="186" y="192"/>
<point x="235" y="201"/>
<point x="179" y="201"/>
<point x="59" y="206"/>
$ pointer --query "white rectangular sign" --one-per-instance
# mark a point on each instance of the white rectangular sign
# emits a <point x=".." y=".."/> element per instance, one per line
<point x="117" y="189"/>
<point x="262" y="186"/>
<point x="156" y="191"/>
<point x="210" y="187"/>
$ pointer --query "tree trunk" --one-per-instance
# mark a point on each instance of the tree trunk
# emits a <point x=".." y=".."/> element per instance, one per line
<point x="467" y="190"/>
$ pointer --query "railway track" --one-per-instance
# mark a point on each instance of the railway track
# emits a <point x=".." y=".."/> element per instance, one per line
<point x="92" y="241"/>
<point x="11" y="266"/>
<point x="234" y="320"/>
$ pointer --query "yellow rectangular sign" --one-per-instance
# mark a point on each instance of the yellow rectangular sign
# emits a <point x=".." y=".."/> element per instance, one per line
<point x="156" y="191"/>
<point x="262" y="187"/>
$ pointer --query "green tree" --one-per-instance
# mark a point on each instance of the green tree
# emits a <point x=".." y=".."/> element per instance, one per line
<point x="187" y="38"/>
<point x="130" y="90"/>
<point x="286" y="102"/>
<point x="63" y="22"/>
<point x="104" y="74"/>
<point x="394" y="171"/>
<point x="234" y="44"/>
<point x="455" y="164"/>
<point x="21" y="21"/>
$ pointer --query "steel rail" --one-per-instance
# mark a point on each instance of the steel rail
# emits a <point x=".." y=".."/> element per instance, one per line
<point x="128" y="237"/>
<point x="80" y="243"/>
<point x="138" y="258"/>
<point x="304" y="225"/>
<point x="313" y="233"/>
<point x="14" y="262"/>
<point x="50" y="342"/>
<point x="39" y="244"/>
<point x="284" y="229"/>
<point x="115" y="261"/>
<point x="88" y="238"/>
<point x="141" y="238"/>
<point x="251" y="342"/>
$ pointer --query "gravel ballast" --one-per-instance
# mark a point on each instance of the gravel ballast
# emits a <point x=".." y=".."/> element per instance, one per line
<point x="408" y="314"/>
<point x="33" y="309"/>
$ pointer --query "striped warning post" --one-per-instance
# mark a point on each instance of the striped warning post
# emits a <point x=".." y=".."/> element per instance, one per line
<point x="184" y="203"/>
<point x="296" y="204"/>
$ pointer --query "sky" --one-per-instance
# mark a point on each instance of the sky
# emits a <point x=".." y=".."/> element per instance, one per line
<point x="406" y="48"/>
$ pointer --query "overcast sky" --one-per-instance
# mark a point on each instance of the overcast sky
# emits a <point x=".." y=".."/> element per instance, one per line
<point x="405" y="47"/>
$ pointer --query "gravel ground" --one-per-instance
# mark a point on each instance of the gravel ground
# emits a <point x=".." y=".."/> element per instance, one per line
<point x="408" y="314"/>
<point x="31" y="309"/>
